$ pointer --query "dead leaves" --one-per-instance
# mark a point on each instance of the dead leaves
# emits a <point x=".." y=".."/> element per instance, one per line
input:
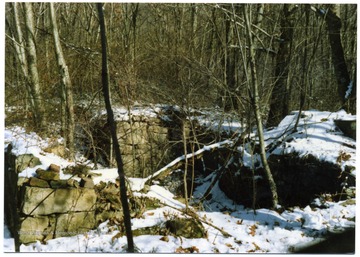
<point x="118" y="235"/>
<point x="253" y="230"/>
<point x="165" y="238"/>
<point x="191" y="249"/>
<point x="257" y="248"/>
<point x="343" y="156"/>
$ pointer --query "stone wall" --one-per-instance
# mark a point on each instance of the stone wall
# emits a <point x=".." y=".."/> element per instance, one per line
<point x="45" y="207"/>
<point x="147" y="142"/>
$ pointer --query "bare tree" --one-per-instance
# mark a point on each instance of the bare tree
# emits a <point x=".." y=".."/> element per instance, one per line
<point x="34" y="81"/>
<point x="112" y="124"/>
<point x="255" y="100"/>
<point x="280" y="97"/>
<point x="65" y="84"/>
<point x="18" y="43"/>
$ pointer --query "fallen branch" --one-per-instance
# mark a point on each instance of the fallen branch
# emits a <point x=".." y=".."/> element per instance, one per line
<point x="178" y="162"/>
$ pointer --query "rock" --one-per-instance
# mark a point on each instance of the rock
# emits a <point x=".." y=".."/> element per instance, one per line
<point x="45" y="201"/>
<point x="188" y="228"/>
<point x="78" y="169"/>
<point x="348" y="127"/>
<point x="54" y="167"/>
<point x="87" y="182"/>
<point x="32" y="229"/>
<point x="58" y="150"/>
<point x="47" y="174"/>
<point x="58" y="184"/>
<point x="73" y="183"/>
<point x="154" y="230"/>
<point x="74" y="223"/>
<point x="26" y="160"/>
<point x="22" y="180"/>
<point x="36" y="182"/>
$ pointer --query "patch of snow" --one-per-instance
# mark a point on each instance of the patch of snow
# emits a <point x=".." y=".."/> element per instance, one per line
<point x="349" y="90"/>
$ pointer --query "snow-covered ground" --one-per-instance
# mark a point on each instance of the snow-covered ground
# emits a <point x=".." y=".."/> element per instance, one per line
<point x="263" y="231"/>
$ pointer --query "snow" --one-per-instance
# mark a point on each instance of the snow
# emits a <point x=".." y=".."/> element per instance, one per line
<point x="349" y="90"/>
<point x="316" y="135"/>
<point x="260" y="231"/>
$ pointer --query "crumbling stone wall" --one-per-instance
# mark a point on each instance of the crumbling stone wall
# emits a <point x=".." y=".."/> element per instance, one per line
<point x="147" y="142"/>
<point x="45" y="207"/>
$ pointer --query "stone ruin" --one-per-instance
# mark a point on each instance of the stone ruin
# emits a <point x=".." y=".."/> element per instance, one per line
<point x="45" y="207"/>
<point x="147" y="142"/>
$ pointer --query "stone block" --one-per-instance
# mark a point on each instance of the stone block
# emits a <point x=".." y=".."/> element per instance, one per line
<point x="45" y="201"/>
<point x="33" y="229"/>
<point x="54" y="167"/>
<point x="74" y="223"/>
<point x="36" y="182"/>
<point x="47" y="174"/>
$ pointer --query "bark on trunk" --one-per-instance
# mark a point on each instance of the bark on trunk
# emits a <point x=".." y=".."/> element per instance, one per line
<point x="337" y="52"/>
<point x="112" y="124"/>
<point x="21" y="56"/>
<point x="39" y="117"/>
<point x="65" y="83"/>
<point x="256" y="107"/>
<point x="279" y="102"/>
<point x="333" y="22"/>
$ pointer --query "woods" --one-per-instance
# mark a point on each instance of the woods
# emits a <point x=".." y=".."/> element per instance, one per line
<point x="169" y="53"/>
<point x="256" y="61"/>
<point x="224" y="109"/>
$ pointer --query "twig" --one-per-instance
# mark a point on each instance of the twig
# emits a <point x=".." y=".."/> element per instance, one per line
<point x="194" y="215"/>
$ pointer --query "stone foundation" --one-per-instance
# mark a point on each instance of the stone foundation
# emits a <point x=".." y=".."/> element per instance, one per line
<point x="146" y="142"/>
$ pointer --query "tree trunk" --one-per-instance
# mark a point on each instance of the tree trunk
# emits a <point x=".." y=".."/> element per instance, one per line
<point x="21" y="56"/>
<point x="112" y="124"/>
<point x="39" y="117"/>
<point x="65" y="84"/>
<point x="337" y="52"/>
<point x="279" y="101"/>
<point x="333" y="21"/>
<point x="256" y="106"/>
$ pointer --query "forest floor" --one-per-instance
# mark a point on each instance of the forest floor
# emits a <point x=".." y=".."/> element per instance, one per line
<point x="248" y="231"/>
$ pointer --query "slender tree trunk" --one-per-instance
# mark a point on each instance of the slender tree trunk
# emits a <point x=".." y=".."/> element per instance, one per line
<point x="21" y="56"/>
<point x="256" y="107"/>
<point x="279" y="101"/>
<point x="112" y="124"/>
<point x="65" y="83"/>
<point x="20" y="48"/>
<point x="39" y="117"/>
